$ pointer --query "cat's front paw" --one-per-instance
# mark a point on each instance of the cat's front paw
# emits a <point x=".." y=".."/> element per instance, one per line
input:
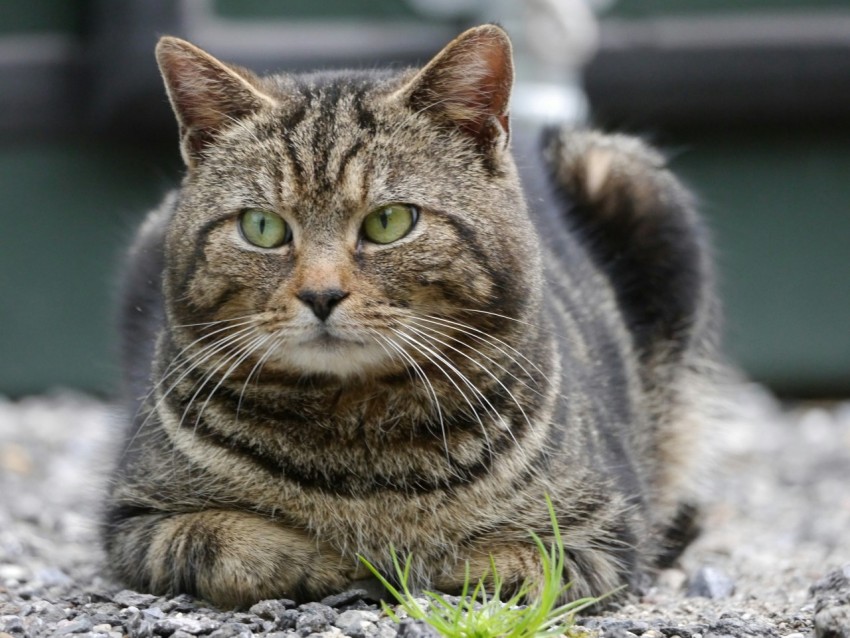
<point x="233" y="559"/>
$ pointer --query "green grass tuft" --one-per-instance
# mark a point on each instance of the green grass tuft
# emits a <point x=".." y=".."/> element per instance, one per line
<point x="482" y="615"/>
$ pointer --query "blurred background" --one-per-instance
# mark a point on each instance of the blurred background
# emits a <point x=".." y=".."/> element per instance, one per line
<point x="750" y="99"/>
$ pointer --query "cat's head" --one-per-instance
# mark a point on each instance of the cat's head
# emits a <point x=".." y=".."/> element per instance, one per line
<point x="326" y="219"/>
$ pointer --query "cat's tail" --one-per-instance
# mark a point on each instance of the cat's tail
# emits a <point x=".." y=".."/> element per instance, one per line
<point x="640" y="226"/>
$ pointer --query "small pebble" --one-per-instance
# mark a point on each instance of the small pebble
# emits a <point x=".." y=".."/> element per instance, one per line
<point x="12" y="625"/>
<point x="129" y="598"/>
<point x="314" y="618"/>
<point x="191" y="626"/>
<point x="711" y="582"/>
<point x="410" y="628"/>
<point x="345" y="598"/>
<point x="79" y="625"/>
<point x="357" y="624"/>
<point x="233" y="630"/>
<point x="272" y="609"/>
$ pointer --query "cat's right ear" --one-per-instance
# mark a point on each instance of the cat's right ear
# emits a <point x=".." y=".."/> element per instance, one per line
<point x="206" y="94"/>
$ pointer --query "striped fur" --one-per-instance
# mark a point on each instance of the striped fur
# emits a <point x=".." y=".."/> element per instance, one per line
<point x="487" y="359"/>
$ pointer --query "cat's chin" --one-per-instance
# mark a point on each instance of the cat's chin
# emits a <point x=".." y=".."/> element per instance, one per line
<point x="332" y="356"/>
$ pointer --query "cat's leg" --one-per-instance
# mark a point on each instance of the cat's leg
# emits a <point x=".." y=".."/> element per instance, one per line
<point x="591" y="572"/>
<point x="230" y="558"/>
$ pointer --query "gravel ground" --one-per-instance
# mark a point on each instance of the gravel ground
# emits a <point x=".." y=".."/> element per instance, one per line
<point x="774" y="559"/>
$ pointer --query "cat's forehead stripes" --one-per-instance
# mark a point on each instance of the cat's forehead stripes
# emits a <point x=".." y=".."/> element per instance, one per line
<point x="321" y="139"/>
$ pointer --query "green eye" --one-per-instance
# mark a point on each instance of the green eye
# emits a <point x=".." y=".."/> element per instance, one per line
<point x="263" y="228"/>
<point x="390" y="223"/>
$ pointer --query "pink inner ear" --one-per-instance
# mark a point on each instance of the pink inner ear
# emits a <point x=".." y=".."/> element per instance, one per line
<point x="204" y="96"/>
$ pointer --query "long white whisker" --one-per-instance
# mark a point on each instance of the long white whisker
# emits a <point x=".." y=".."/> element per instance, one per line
<point x="490" y="340"/>
<point x="246" y="350"/>
<point x="198" y="358"/>
<point x="201" y="384"/>
<point x="256" y="370"/>
<point x="190" y="363"/>
<point x="437" y="359"/>
<point x="419" y="373"/>
<point x="485" y="370"/>
<point x="177" y="362"/>
<point x="431" y="387"/>
<point x="488" y="358"/>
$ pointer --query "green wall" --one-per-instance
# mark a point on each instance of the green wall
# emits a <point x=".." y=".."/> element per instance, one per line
<point x="67" y="209"/>
<point x="779" y="204"/>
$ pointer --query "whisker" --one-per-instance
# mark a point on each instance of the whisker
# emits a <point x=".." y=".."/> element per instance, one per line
<point x="246" y="350"/>
<point x="490" y="339"/>
<point x="436" y="358"/>
<point x="213" y="323"/>
<point x="190" y="363"/>
<point x="175" y="361"/>
<point x="258" y="367"/>
<point x="419" y="373"/>
<point x="493" y="376"/>
<point x="488" y="358"/>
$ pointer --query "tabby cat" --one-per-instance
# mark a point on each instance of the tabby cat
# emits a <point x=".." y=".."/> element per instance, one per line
<point x="350" y="330"/>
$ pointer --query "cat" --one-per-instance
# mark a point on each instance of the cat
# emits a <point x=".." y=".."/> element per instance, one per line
<point x="351" y="332"/>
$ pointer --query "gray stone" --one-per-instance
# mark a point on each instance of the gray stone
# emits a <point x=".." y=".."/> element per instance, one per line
<point x="711" y="582"/>
<point x="287" y="619"/>
<point x="129" y="598"/>
<point x="410" y="628"/>
<point x="314" y="618"/>
<point x="832" y="604"/>
<point x="181" y="602"/>
<point x="106" y="610"/>
<point x="345" y="598"/>
<point x="833" y="622"/>
<point x="232" y="630"/>
<point x="192" y="626"/>
<point x="153" y="614"/>
<point x="634" y="626"/>
<point x="78" y="625"/>
<point x="387" y="628"/>
<point x="357" y="624"/>
<point x="48" y="611"/>
<point x="248" y="620"/>
<point x="137" y="626"/>
<point x="13" y="625"/>
<point x="681" y="632"/>
<point x="272" y="609"/>
<point x="10" y="609"/>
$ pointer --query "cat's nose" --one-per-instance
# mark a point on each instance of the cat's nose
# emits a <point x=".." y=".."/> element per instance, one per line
<point x="322" y="302"/>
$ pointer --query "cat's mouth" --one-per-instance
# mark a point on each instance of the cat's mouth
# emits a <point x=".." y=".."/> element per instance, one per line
<point x="326" y="337"/>
<point x="328" y="351"/>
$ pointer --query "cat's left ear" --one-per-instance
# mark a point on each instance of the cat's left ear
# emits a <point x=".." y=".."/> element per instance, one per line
<point x="207" y="95"/>
<point x="469" y="85"/>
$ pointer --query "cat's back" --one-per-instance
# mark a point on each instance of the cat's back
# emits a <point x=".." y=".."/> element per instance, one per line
<point x="141" y="305"/>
